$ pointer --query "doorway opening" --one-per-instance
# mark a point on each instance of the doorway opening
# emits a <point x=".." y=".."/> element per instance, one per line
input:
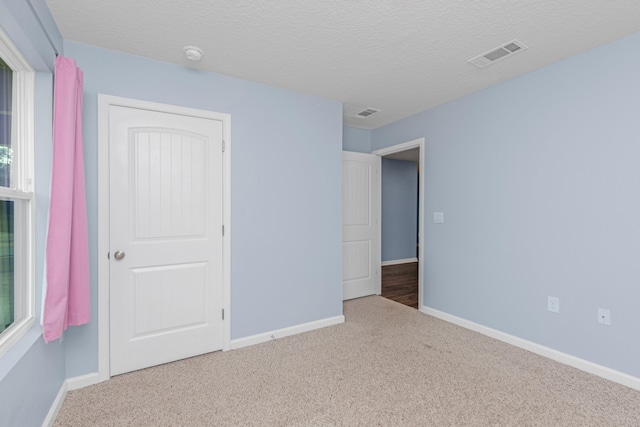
<point x="402" y="222"/>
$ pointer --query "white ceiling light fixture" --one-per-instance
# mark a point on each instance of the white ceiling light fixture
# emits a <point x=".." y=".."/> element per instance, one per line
<point x="193" y="53"/>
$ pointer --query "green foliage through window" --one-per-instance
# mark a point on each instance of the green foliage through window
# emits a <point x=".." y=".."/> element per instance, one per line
<point x="7" y="313"/>
<point x="7" y="309"/>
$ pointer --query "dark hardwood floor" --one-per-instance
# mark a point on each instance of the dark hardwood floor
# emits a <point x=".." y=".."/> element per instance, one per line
<point x="400" y="283"/>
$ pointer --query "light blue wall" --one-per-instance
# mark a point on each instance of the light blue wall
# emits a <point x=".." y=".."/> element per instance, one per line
<point x="538" y="180"/>
<point x="286" y="167"/>
<point x="29" y="388"/>
<point x="32" y="372"/>
<point x="399" y="209"/>
<point x="354" y="139"/>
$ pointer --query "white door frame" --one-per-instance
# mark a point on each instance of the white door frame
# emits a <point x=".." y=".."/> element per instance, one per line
<point x="104" y="102"/>
<point x="416" y="143"/>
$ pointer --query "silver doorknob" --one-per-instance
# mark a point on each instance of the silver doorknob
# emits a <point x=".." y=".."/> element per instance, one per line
<point x="118" y="255"/>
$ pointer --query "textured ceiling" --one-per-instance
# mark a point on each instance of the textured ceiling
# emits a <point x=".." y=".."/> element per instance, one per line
<point x="398" y="56"/>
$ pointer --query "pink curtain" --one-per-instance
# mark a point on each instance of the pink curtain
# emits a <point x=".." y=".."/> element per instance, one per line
<point x="67" y="251"/>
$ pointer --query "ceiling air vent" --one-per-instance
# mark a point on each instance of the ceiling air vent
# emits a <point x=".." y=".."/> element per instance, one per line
<point x="366" y="113"/>
<point x="501" y="52"/>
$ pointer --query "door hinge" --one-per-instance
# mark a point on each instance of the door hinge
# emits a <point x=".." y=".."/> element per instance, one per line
<point x="108" y="255"/>
<point x="223" y="230"/>
<point x="223" y="314"/>
<point x="223" y="145"/>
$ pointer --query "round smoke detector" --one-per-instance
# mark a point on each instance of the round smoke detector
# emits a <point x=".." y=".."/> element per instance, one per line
<point x="193" y="53"/>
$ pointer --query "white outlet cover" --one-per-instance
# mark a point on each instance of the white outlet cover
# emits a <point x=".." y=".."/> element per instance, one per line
<point x="604" y="316"/>
<point x="438" y="217"/>
<point x="553" y="304"/>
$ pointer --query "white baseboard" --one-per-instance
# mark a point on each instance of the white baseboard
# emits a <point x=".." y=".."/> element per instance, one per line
<point x="567" y="359"/>
<point x="55" y="406"/>
<point x="285" y="332"/>
<point x="94" y="377"/>
<point x="398" y="261"/>
<point x="82" y="381"/>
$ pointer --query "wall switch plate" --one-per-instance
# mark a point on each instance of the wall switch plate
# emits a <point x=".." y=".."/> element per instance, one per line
<point x="553" y="304"/>
<point x="604" y="316"/>
<point x="438" y="217"/>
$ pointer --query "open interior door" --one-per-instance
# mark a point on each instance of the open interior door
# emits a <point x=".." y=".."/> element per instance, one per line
<point x="360" y="224"/>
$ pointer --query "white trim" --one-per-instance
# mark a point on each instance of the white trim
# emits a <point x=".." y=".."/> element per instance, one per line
<point x="11" y="55"/>
<point x="285" y="332"/>
<point x="83" y="381"/>
<point x="104" y="102"/>
<point x="558" y="356"/>
<point x="399" y="261"/>
<point x="226" y="217"/>
<point x="96" y="377"/>
<point x="103" y="239"/>
<point x="10" y="193"/>
<point x="50" y="419"/>
<point x="400" y="147"/>
<point x="416" y="143"/>
<point x="22" y="142"/>
<point x="67" y="386"/>
<point x="378" y="212"/>
<point x="24" y="96"/>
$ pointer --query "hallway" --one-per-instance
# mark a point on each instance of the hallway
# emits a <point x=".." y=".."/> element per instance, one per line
<point x="400" y="283"/>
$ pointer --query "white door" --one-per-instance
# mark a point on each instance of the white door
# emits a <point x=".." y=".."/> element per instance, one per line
<point x="166" y="216"/>
<point x="360" y="224"/>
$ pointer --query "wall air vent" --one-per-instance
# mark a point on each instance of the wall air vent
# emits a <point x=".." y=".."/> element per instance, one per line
<point x="501" y="52"/>
<point x="366" y="113"/>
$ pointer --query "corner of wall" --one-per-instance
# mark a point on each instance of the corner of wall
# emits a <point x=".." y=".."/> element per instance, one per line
<point x="354" y="139"/>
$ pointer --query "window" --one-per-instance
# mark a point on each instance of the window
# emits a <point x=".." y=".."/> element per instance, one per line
<point x="16" y="194"/>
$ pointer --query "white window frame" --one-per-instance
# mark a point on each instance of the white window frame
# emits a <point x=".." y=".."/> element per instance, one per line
<point x="22" y="190"/>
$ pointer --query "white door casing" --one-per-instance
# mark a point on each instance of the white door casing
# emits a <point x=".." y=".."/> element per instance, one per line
<point x="416" y="143"/>
<point x="167" y="203"/>
<point x="360" y="225"/>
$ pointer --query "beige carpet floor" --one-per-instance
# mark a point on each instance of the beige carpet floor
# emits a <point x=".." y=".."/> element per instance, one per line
<point x="387" y="365"/>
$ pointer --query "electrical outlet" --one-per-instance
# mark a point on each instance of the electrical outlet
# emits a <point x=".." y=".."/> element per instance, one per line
<point x="553" y="304"/>
<point x="604" y="316"/>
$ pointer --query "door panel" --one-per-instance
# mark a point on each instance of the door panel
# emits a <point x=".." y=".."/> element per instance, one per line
<point x="164" y="166"/>
<point x="357" y="190"/>
<point x="358" y="255"/>
<point x="360" y="224"/>
<point x="166" y="216"/>
<point x="154" y="287"/>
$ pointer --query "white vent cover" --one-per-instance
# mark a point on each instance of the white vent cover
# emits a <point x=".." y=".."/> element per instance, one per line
<point x="366" y="113"/>
<point x="501" y="52"/>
